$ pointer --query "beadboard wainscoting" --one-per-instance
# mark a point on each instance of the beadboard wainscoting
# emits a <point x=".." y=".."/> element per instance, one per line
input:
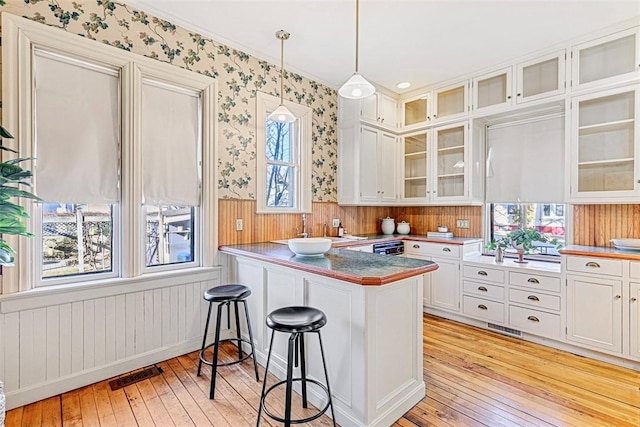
<point x="53" y="341"/>
<point x="596" y="225"/>
<point x="355" y="219"/>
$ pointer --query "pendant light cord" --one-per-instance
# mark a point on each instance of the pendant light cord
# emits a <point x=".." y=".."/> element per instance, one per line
<point x="281" y="70"/>
<point x="357" y="30"/>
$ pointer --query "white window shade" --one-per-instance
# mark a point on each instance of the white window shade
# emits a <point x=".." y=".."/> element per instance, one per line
<point x="77" y="130"/>
<point x="525" y="161"/>
<point x="170" y="142"/>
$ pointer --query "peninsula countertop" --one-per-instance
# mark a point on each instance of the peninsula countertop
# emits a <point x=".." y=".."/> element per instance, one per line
<point x="351" y="266"/>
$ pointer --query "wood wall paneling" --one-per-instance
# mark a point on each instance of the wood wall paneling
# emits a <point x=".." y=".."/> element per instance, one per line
<point x="596" y="225"/>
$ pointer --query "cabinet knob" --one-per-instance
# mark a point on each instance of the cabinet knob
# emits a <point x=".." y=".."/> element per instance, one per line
<point x="435" y="116"/>
<point x="533" y="318"/>
<point x="482" y="273"/>
<point x="592" y="264"/>
<point x="482" y="288"/>
<point x="518" y="94"/>
<point x="633" y="299"/>
<point x="617" y="297"/>
<point x="509" y="97"/>
<point x="533" y="298"/>
<point x="428" y="117"/>
<point x="482" y="307"/>
<point x="416" y="246"/>
<point x="533" y="280"/>
<point x="446" y="250"/>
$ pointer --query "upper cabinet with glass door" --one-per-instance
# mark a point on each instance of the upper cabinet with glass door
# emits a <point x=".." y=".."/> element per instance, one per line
<point x="492" y="91"/>
<point x="541" y="77"/>
<point x="451" y="162"/>
<point x="416" y="157"/>
<point x="451" y="102"/>
<point x="606" y="60"/>
<point x="416" y="112"/>
<point x="604" y="148"/>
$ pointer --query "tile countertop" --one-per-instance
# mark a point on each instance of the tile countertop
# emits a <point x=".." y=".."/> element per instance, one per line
<point x="351" y="266"/>
<point x="601" y="251"/>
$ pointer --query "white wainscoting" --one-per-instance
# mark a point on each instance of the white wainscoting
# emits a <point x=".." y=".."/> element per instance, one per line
<point x="55" y="340"/>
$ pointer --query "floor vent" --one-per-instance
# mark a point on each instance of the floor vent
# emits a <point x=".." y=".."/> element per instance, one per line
<point x="134" y="377"/>
<point x="509" y="331"/>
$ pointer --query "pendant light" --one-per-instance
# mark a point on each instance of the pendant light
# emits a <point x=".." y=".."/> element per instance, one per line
<point x="282" y="113"/>
<point x="357" y="87"/>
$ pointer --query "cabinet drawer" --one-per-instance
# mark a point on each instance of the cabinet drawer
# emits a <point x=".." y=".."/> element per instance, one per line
<point x="483" y="273"/>
<point x="432" y="249"/>
<point x="534" y="321"/>
<point x="535" y="299"/>
<point x="483" y="289"/>
<point x="634" y="270"/>
<point x="594" y="265"/>
<point x="483" y="309"/>
<point x="535" y="281"/>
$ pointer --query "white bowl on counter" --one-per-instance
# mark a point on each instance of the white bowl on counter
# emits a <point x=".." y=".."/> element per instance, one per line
<point x="310" y="246"/>
<point x="626" y="243"/>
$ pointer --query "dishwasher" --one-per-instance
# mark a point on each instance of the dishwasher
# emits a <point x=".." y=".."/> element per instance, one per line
<point x="389" y="248"/>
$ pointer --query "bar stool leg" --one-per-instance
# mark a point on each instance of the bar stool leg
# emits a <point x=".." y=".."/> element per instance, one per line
<point x="253" y="351"/>
<point x="303" y="371"/>
<point x="326" y="377"/>
<point x="238" y="332"/>
<point x="287" y="403"/>
<point x="216" y="345"/>
<point x="204" y="339"/>
<point x="264" y="382"/>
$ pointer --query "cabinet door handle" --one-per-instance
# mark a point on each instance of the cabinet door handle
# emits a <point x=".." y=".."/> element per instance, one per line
<point x="482" y="307"/>
<point x="533" y="318"/>
<point x="446" y="250"/>
<point x="482" y="288"/>
<point x="592" y="264"/>
<point x="617" y="297"/>
<point x="633" y="299"/>
<point x="482" y="273"/>
<point x="533" y="280"/>
<point x="533" y="298"/>
<point x="416" y="246"/>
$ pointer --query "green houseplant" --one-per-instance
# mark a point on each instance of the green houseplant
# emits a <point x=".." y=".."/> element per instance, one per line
<point x="12" y="215"/>
<point x="521" y="240"/>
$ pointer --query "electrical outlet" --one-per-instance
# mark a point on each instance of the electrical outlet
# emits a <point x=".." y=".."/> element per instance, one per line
<point x="238" y="225"/>
<point x="462" y="223"/>
<point x="335" y="223"/>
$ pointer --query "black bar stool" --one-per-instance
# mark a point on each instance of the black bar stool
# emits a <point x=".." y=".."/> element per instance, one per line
<point x="224" y="296"/>
<point x="295" y="321"/>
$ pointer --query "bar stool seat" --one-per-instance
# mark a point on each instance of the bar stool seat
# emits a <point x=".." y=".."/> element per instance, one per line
<point x="224" y="296"/>
<point x="296" y="321"/>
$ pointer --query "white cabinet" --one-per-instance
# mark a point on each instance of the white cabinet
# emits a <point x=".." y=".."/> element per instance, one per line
<point x="604" y="146"/>
<point x="492" y="90"/>
<point x="606" y="60"/>
<point x="541" y="77"/>
<point x="367" y="166"/>
<point x="416" y="111"/>
<point x="451" y="101"/>
<point x="451" y="163"/>
<point x="483" y="293"/>
<point x="415" y="166"/>
<point x="634" y="320"/>
<point x="380" y="109"/>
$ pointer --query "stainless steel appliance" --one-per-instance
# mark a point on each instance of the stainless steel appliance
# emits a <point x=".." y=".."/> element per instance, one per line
<point x="389" y="248"/>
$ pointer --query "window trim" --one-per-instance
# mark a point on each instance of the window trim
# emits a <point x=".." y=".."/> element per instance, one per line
<point x="20" y="37"/>
<point x="265" y="104"/>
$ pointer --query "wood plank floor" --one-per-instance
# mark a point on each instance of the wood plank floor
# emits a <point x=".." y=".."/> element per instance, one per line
<point x="474" y="378"/>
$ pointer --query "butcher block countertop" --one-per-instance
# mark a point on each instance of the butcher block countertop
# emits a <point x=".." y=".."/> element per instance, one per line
<point x="601" y="251"/>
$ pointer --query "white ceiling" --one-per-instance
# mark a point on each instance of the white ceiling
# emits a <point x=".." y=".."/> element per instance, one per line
<point x="421" y="41"/>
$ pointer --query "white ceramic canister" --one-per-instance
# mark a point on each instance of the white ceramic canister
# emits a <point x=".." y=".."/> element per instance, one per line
<point x="388" y="225"/>
<point x="403" y="227"/>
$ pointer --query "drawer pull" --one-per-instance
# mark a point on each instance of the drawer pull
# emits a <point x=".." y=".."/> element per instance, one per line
<point x="533" y="298"/>
<point x="482" y="307"/>
<point x="417" y="246"/>
<point x="533" y="280"/>
<point x="482" y="273"/>
<point x="482" y="288"/>
<point x="592" y="264"/>
<point x="533" y="318"/>
<point x="446" y="250"/>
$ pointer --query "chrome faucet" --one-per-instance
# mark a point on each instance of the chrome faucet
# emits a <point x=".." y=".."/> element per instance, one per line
<point x="304" y="227"/>
<point x="324" y="229"/>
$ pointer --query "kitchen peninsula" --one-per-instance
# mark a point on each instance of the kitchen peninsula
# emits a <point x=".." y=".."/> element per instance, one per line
<point x="373" y="337"/>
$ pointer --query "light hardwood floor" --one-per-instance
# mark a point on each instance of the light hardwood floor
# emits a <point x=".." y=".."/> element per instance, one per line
<point x="474" y="378"/>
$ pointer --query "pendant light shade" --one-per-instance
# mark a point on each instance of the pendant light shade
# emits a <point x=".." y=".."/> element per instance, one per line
<point x="282" y="113"/>
<point x="357" y="87"/>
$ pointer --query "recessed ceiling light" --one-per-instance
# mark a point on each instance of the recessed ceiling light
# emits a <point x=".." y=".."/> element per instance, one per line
<point x="403" y="85"/>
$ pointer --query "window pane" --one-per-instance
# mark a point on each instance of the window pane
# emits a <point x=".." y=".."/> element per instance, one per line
<point x="76" y="239"/>
<point x="280" y="183"/>
<point x="547" y="218"/>
<point x="169" y="235"/>
<point x="278" y="147"/>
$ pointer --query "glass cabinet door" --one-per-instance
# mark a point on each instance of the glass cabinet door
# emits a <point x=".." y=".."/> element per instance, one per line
<point x="605" y="144"/>
<point x="450" y="142"/>
<point x="416" y="182"/>
<point x="450" y="101"/>
<point x="492" y="90"/>
<point x="416" y="111"/>
<point x="541" y="77"/>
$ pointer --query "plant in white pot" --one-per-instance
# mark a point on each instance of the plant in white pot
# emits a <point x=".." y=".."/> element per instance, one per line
<point x="522" y="240"/>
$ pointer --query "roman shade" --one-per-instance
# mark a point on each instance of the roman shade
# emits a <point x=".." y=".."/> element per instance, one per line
<point x="170" y="144"/>
<point x="77" y="130"/>
<point x="525" y="161"/>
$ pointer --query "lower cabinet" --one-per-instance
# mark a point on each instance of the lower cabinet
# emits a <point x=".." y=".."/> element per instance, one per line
<point x="445" y="285"/>
<point x="634" y="320"/>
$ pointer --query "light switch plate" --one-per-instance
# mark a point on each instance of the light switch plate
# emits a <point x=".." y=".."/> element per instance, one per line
<point x="462" y="223"/>
<point x="335" y="223"/>
<point x="239" y="225"/>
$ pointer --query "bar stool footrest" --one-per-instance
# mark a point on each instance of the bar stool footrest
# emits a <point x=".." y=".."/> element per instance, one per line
<point x="302" y="420"/>
<point x="210" y="362"/>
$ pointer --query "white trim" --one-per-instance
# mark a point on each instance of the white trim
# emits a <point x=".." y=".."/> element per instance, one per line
<point x="265" y="104"/>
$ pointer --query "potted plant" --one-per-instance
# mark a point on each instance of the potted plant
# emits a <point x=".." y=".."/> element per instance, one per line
<point x="522" y="241"/>
<point x="12" y="215"/>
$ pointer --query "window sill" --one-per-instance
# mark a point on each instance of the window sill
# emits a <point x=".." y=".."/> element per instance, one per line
<point x="47" y="295"/>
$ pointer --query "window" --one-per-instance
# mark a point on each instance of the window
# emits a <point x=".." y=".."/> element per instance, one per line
<point x="124" y="159"/>
<point x="284" y="159"/>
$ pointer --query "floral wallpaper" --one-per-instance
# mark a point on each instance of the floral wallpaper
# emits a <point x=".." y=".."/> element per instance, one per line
<point x="239" y="77"/>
